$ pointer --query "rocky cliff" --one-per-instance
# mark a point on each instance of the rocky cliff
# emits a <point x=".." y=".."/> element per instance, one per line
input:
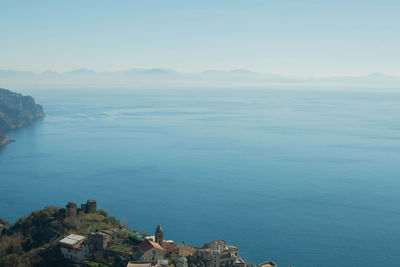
<point x="16" y="111"/>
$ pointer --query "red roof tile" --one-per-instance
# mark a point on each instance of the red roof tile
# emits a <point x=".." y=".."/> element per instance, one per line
<point x="147" y="244"/>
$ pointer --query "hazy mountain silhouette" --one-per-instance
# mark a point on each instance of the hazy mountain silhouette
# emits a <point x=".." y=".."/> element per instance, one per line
<point x="160" y="77"/>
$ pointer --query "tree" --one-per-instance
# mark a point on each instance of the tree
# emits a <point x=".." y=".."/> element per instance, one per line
<point x="181" y="262"/>
<point x="103" y="212"/>
<point x="28" y="243"/>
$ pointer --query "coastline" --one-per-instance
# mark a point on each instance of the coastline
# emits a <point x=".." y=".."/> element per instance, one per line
<point x="16" y="112"/>
<point x="5" y="141"/>
<point x="85" y="235"/>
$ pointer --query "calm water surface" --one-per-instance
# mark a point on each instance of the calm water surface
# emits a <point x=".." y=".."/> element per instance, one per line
<point x="303" y="177"/>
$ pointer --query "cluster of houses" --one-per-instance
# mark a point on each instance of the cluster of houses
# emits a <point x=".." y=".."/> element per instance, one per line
<point x="78" y="248"/>
<point x="154" y="251"/>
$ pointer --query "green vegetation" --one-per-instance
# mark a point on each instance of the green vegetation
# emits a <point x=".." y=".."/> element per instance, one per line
<point x="121" y="248"/>
<point x="94" y="264"/>
<point x="33" y="240"/>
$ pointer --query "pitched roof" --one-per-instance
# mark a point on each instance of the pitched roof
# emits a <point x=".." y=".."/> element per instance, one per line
<point x="147" y="244"/>
<point x="159" y="229"/>
<point x="170" y="246"/>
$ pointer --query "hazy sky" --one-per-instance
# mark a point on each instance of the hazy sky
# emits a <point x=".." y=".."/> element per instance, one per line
<point x="306" y="38"/>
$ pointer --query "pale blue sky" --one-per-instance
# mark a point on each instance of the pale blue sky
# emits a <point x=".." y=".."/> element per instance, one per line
<point x="305" y="38"/>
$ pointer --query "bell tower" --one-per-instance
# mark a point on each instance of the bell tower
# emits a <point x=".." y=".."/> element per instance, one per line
<point x="159" y="236"/>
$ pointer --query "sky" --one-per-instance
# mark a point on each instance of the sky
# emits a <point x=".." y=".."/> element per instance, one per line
<point x="290" y="37"/>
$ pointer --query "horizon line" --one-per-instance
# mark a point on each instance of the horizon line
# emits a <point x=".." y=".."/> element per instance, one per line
<point x="376" y="73"/>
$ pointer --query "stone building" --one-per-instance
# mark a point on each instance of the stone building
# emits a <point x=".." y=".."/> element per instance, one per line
<point x="218" y="253"/>
<point x="89" y="207"/>
<point x="71" y="209"/>
<point x="159" y="236"/>
<point x="149" y="251"/>
<point x="264" y="264"/>
<point x="269" y="264"/>
<point x="103" y="239"/>
<point x="75" y="247"/>
<point x="153" y="248"/>
<point x="138" y="264"/>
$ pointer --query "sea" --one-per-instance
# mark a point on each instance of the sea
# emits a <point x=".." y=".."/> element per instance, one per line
<point x="307" y="177"/>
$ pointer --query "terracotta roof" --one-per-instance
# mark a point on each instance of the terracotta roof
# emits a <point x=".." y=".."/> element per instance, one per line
<point x="170" y="246"/>
<point x="147" y="244"/>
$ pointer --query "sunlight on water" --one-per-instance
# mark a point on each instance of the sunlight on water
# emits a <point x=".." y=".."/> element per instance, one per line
<point x="301" y="177"/>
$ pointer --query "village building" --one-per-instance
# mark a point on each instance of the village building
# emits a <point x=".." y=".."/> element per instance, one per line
<point x="138" y="264"/>
<point x="162" y="263"/>
<point x="169" y="245"/>
<point x="75" y="247"/>
<point x="159" y="236"/>
<point x="159" y="263"/>
<point x="149" y="251"/>
<point x="269" y="264"/>
<point x="103" y="239"/>
<point x="218" y="253"/>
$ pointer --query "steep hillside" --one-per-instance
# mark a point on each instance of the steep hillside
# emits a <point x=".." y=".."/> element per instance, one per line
<point x="16" y="111"/>
<point x="32" y="240"/>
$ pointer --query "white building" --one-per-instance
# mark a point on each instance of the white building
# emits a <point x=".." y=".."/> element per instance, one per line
<point x="218" y="253"/>
<point x="75" y="248"/>
<point x="269" y="264"/>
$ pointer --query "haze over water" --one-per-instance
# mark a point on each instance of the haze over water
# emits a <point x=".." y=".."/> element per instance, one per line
<point x="302" y="177"/>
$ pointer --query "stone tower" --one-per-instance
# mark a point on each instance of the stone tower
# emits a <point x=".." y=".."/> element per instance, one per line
<point x="159" y="236"/>
<point x="89" y="207"/>
<point x="71" y="209"/>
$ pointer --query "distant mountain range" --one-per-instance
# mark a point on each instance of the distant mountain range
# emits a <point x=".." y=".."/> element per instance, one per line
<point x="167" y="77"/>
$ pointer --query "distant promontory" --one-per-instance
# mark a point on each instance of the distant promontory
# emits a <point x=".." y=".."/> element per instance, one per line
<point x="16" y="111"/>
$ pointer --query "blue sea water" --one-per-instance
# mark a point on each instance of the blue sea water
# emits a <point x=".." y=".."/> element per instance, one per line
<point x="302" y="177"/>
